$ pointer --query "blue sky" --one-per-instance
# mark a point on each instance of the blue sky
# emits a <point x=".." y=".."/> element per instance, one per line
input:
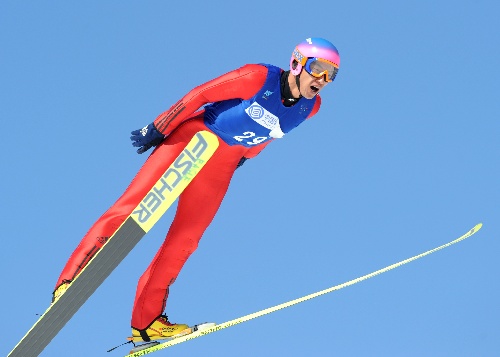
<point x="402" y="157"/>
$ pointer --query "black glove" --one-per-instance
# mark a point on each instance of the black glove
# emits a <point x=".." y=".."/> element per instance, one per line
<point x="146" y="138"/>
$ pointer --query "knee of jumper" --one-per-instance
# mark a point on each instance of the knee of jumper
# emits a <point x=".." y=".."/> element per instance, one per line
<point x="182" y="248"/>
<point x="189" y="246"/>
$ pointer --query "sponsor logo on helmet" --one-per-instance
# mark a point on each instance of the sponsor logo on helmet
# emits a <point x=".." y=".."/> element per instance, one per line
<point x="298" y="56"/>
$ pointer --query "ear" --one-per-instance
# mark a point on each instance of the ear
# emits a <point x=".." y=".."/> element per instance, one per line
<point x="295" y="67"/>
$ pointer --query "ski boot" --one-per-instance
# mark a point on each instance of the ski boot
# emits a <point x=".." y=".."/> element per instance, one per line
<point x="187" y="331"/>
<point x="61" y="289"/>
<point x="160" y="329"/>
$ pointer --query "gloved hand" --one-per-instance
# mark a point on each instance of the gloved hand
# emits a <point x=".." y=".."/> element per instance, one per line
<point x="146" y="138"/>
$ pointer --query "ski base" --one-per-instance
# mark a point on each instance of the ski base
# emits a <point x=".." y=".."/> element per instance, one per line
<point x="166" y="190"/>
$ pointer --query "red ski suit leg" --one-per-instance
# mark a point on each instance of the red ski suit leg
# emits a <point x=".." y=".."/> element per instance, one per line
<point x="196" y="208"/>
<point x="110" y="221"/>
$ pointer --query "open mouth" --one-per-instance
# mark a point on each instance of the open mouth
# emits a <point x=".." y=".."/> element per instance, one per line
<point x="315" y="89"/>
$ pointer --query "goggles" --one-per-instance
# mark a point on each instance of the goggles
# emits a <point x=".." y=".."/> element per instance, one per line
<point x="319" y="67"/>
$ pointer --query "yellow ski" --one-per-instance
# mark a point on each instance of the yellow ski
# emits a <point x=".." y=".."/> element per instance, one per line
<point x="210" y="328"/>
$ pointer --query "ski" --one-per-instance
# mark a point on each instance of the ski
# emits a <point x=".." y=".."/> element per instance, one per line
<point x="215" y="328"/>
<point x="156" y="202"/>
<point x="149" y="347"/>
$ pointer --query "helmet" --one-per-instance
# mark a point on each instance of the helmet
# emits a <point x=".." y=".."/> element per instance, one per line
<point x="313" y="47"/>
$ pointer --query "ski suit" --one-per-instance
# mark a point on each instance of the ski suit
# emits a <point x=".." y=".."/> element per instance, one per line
<point x="244" y="109"/>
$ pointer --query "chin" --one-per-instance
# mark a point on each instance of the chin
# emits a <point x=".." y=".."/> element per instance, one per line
<point x="310" y="96"/>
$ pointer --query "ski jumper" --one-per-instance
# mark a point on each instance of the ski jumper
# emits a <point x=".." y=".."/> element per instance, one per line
<point x="244" y="109"/>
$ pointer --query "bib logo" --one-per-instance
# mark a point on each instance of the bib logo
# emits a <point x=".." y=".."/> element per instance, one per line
<point x="255" y="111"/>
<point x="183" y="168"/>
<point x="262" y="116"/>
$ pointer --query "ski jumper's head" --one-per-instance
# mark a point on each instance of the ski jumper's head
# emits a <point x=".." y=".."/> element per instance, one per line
<point x="314" y="63"/>
<point x="318" y="57"/>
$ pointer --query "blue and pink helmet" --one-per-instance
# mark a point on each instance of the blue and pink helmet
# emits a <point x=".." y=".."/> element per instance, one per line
<point x="314" y="48"/>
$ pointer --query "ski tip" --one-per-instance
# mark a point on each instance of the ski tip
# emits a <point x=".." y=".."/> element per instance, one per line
<point x="476" y="227"/>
